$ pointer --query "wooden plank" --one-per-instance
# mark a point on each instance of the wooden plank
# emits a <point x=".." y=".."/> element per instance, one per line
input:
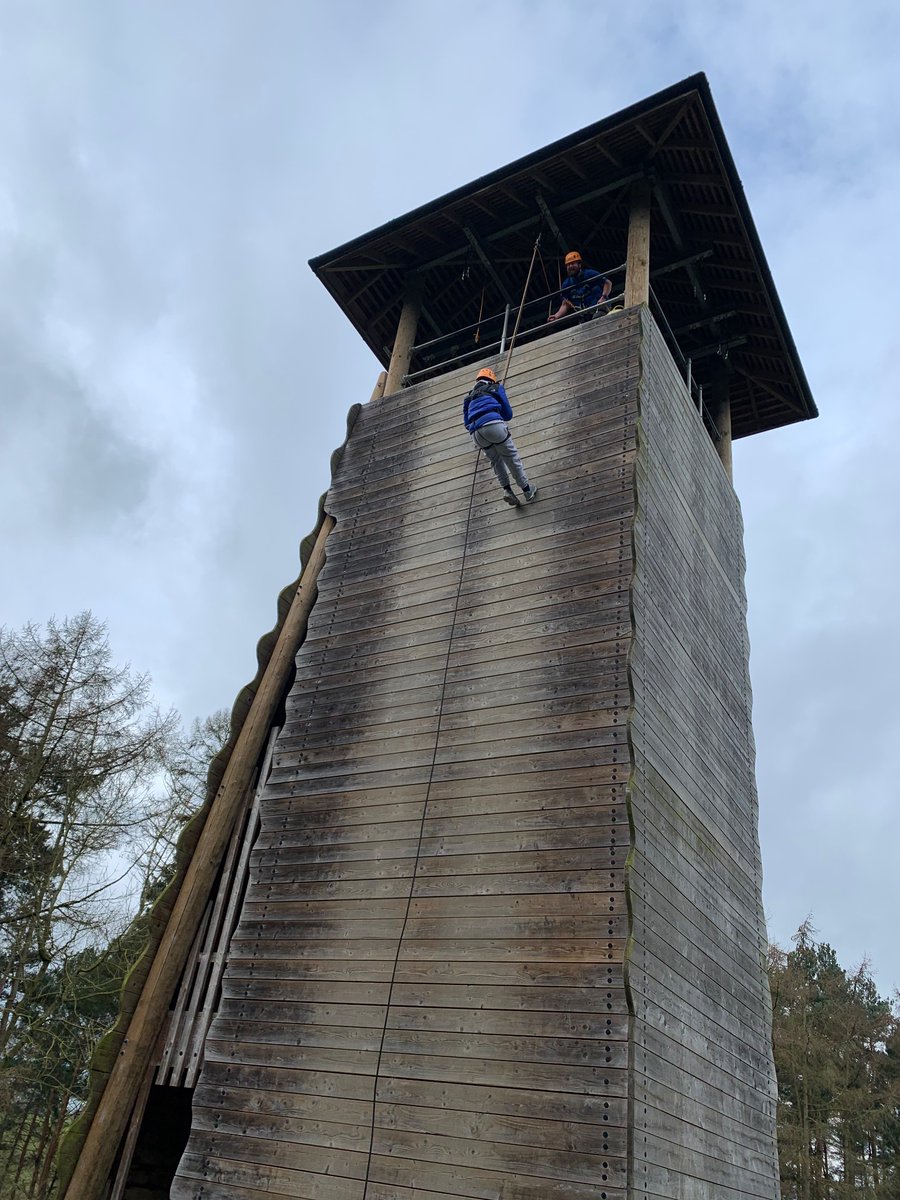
<point x="315" y="878"/>
<point x="355" y="846"/>
<point x="450" y="883"/>
<point x="229" y="1159"/>
<point x="609" y="928"/>
<point x="498" y="1128"/>
<point x="478" y="1184"/>
<point x="531" y="1161"/>
<point x="336" y="1135"/>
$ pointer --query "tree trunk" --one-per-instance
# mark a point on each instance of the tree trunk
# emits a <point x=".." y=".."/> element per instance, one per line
<point x="26" y="1142"/>
<point x="48" y="1155"/>
<point x="45" y="1132"/>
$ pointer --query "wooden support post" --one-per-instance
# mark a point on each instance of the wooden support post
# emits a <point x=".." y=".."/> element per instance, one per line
<point x="91" y="1174"/>
<point x="723" y="424"/>
<point x="401" y="355"/>
<point x="378" y="389"/>
<point x="720" y="407"/>
<point x="637" y="258"/>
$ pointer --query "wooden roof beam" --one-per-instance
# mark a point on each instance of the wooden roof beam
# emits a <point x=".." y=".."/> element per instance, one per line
<point x="668" y="214"/>
<point x="716" y="347"/>
<point x="361" y="291"/>
<point x="486" y="209"/>
<point x="429" y="319"/>
<point x="334" y="269"/>
<point x="713" y="317"/>
<point x="683" y="261"/>
<point x="707" y="210"/>
<point x="488" y="265"/>
<point x="751" y="396"/>
<point x="542" y="204"/>
<point x="673" y="124"/>
<point x="573" y="166"/>
<point x="639" y="126"/>
<point x="612" y="185"/>
<point x="600" y="144"/>
<point x="512" y="196"/>
<point x="595" y="229"/>
<point x="779" y="396"/>
<point x="697" y="179"/>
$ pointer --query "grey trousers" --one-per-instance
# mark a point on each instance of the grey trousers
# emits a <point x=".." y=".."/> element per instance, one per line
<point x="496" y="442"/>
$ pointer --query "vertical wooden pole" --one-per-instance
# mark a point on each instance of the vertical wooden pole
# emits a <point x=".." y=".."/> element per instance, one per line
<point x="401" y="355"/>
<point x="637" y="258"/>
<point x="90" y="1177"/>
<point x="720" y="407"/>
<point x="378" y="389"/>
<point x="723" y="424"/>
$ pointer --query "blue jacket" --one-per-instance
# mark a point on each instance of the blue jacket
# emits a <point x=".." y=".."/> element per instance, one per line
<point x="486" y="402"/>
<point x="584" y="289"/>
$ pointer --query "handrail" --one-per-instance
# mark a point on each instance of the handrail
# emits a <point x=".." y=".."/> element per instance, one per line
<point x="686" y="364"/>
<point x="499" y="316"/>
<point x="484" y="350"/>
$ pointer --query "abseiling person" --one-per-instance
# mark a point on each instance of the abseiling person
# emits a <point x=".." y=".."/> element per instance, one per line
<point x="486" y="410"/>
<point x="584" y="290"/>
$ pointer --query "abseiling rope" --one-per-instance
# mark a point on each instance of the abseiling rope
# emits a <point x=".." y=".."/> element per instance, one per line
<point x="412" y="884"/>
<point x="512" y="341"/>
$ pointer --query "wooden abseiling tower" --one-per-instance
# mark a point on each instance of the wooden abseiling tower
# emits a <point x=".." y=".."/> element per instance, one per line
<point x="501" y="936"/>
<point x="509" y="728"/>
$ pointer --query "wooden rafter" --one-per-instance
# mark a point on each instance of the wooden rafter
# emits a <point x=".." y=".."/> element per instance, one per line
<point x="673" y="124"/>
<point x="562" y="240"/>
<point x="479" y="249"/>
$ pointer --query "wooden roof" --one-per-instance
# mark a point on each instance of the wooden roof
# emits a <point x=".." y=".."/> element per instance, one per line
<point x="713" y="293"/>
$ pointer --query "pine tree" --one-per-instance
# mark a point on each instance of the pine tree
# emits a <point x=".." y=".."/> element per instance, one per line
<point x="836" y="1043"/>
<point x="95" y="784"/>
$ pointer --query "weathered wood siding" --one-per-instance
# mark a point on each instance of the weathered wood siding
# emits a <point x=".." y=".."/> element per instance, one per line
<point x="425" y="987"/>
<point x="517" y="741"/>
<point x="703" y="1100"/>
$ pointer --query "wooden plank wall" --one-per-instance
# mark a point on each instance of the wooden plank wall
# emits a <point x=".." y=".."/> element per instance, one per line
<point x="703" y="1088"/>
<point x="424" y="996"/>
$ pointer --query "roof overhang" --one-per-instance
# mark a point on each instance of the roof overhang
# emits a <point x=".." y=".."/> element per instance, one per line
<point x="712" y="291"/>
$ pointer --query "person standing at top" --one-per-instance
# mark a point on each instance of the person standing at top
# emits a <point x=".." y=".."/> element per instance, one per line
<point x="583" y="289"/>
<point x="486" y="410"/>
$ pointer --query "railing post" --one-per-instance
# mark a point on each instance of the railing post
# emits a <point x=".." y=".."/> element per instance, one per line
<point x="505" y="327"/>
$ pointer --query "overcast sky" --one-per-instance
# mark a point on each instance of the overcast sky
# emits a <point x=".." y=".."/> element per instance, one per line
<point x="173" y="378"/>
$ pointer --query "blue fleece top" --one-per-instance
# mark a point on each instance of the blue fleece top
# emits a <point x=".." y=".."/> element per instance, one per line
<point x="584" y="289"/>
<point x="485" y="403"/>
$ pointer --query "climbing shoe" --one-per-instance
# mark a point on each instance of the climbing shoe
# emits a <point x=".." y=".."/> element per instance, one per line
<point x="530" y="494"/>
<point x="510" y="498"/>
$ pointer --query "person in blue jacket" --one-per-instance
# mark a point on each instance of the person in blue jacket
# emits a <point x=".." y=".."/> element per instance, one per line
<point x="583" y="289"/>
<point x="486" y="410"/>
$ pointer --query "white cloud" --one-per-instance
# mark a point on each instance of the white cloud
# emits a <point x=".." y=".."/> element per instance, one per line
<point x="174" y="379"/>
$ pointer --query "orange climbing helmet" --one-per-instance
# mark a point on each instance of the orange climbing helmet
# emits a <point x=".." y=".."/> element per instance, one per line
<point x="572" y="257"/>
<point x="486" y="373"/>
